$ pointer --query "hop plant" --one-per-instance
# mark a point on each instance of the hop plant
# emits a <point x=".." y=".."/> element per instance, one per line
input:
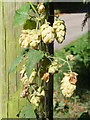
<point x="24" y="77"/>
<point x="35" y="37"/>
<point x="37" y="96"/>
<point x="35" y="100"/>
<point x="32" y="76"/>
<point x="40" y="8"/>
<point x="68" y="84"/>
<point x="40" y="91"/>
<point x="24" y="40"/>
<point x="70" y="57"/>
<point x="47" y="33"/>
<point x="54" y="67"/>
<point x="45" y="77"/>
<point x="25" y="92"/>
<point x="30" y="38"/>
<point x="60" y="30"/>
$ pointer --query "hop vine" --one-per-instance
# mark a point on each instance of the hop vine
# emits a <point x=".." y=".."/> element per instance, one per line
<point x="31" y="40"/>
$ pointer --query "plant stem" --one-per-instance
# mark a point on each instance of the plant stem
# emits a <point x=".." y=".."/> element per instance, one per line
<point x="69" y="65"/>
<point x="34" y="10"/>
<point x="62" y="60"/>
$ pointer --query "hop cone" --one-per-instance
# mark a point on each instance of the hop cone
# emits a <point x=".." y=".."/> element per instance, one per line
<point x="24" y="77"/>
<point x="47" y="33"/>
<point x="41" y="8"/>
<point x="60" y="30"/>
<point x="30" y="38"/>
<point x="68" y="84"/>
<point x="37" y="96"/>
<point x="54" y="67"/>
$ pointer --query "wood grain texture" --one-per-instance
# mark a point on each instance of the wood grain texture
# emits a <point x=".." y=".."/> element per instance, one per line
<point x="0" y="60"/>
<point x="11" y="102"/>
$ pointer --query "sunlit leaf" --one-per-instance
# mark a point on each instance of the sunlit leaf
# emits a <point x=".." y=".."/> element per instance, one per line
<point x="15" y="63"/>
<point x="22" y="14"/>
<point x="18" y="60"/>
<point x="27" y="112"/>
<point x="34" y="56"/>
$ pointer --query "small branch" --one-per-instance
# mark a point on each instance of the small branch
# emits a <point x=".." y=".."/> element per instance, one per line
<point x="85" y="20"/>
<point x="61" y="60"/>
<point x="69" y="65"/>
<point x="34" y="9"/>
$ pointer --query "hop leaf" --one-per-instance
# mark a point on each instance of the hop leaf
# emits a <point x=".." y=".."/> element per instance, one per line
<point x="22" y="15"/>
<point x="34" y="57"/>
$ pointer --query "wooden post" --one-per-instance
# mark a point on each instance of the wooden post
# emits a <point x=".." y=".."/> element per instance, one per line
<point x="50" y="49"/>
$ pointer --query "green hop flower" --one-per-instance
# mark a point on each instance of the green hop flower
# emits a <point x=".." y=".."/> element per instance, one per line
<point x="60" y="30"/>
<point x="47" y="33"/>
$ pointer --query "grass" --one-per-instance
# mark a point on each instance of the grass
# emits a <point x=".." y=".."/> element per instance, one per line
<point x="68" y="108"/>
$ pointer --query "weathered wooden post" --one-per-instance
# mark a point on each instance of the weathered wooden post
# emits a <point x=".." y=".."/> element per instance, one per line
<point x="48" y="102"/>
<point x="47" y="105"/>
<point x="50" y="49"/>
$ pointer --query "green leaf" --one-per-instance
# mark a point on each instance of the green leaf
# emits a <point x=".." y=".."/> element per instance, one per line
<point x="30" y="24"/>
<point x="24" y="51"/>
<point x="18" y="59"/>
<point x="15" y="63"/>
<point x="34" y="56"/>
<point x="28" y="112"/>
<point x="22" y="15"/>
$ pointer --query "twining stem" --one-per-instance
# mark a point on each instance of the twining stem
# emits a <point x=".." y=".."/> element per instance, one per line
<point x="65" y="61"/>
<point x="33" y="88"/>
<point x="34" y="9"/>
<point x="69" y="65"/>
<point x="37" y="25"/>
